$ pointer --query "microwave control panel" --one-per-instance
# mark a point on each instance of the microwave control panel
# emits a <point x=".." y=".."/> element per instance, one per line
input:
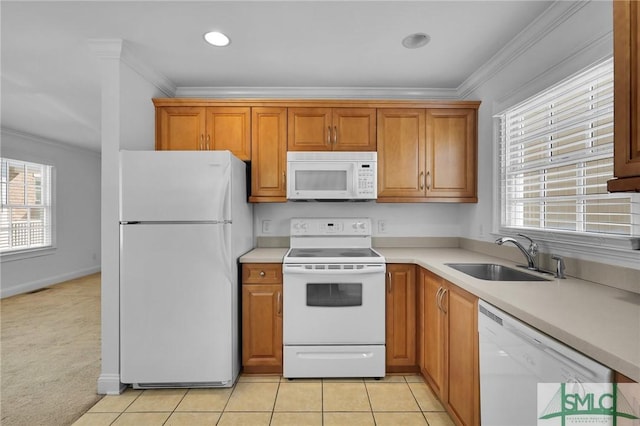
<point x="366" y="179"/>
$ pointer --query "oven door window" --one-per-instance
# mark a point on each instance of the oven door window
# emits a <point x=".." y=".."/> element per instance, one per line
<point x="334" y="294"/>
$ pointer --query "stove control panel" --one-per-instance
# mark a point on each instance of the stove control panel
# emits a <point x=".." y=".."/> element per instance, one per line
<point x="330" y="226"/>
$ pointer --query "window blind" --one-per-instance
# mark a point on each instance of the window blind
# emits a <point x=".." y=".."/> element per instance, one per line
<point x="25" y="208"/>
<point x="557" y="155"/>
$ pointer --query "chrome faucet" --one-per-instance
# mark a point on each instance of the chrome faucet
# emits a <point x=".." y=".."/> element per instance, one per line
<point x="530" y="254"/>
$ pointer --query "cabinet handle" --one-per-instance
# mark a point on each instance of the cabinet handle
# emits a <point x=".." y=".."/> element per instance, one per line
<point x="201" y="146"/>
<point x="279" y="303"/>
<point x="208" y="140"/>
<point x="335" y="135"/>
<point x="428" y="180"/>
<point x="389" y="282"/>
<point x="421" y="179"/>
<point x="328" y="135"/>
<point x="444" y="293"/>
<point x="262" y="274"/>
<point x="438" y="298"/>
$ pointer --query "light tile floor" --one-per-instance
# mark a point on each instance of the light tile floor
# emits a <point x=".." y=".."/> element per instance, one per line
<point x="271" y="400"/>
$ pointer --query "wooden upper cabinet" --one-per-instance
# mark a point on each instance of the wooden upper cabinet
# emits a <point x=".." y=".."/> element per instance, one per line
<point x="451" y="153"/>
<point x="332" y="129"/>
<point x="268" y="154"/>
<point x="229" y="128"/>
<point x="180" y="128"/>
<point x="204" y="128"/>
<point x="401" y="153"/>
<point x="427" y="155"/>
<point x="626" y="57"/>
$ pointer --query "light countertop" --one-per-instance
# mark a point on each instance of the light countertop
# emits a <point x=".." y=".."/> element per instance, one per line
<point x="599" y="321"/>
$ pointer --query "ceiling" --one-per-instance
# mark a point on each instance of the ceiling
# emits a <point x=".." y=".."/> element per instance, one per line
<point x="51" y="81"/>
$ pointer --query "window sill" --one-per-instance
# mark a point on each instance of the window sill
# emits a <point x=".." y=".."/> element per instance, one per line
<point x="27" y="254"/>
<point x="610" y="249"/>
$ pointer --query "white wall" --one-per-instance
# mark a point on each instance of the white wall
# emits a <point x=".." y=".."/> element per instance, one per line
<point x="77" y="215"/>
<point x="401" y="220"/>
<point x="127" y="123"/>
<point x="583" y="37"/>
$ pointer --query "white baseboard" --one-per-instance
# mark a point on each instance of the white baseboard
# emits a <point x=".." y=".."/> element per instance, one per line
<point x="109" y="384"/>
<point x="38" y="284"/>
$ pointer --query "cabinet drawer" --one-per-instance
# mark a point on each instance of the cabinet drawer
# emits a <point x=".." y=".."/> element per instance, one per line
<point x="261" y="273"/>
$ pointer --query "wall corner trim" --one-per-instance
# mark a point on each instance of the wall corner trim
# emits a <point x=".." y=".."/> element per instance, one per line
<point x="109" y="384"/>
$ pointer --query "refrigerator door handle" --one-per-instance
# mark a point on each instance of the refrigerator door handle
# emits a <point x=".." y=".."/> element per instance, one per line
<point x="226" y="255"/>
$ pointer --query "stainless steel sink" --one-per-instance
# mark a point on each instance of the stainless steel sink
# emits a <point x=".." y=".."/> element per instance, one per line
<point x="494" y="272"/>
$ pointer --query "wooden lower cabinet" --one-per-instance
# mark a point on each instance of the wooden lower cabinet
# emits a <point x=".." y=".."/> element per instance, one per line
<point x="262" y="318"/>
<point x="448" y="340"/>
<point x="401" y="318"/>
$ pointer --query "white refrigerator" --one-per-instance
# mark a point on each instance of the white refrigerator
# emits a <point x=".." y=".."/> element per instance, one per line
<point x="184" y="221"/>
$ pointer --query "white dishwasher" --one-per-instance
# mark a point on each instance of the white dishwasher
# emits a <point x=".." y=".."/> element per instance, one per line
<point x="514" y="358"/>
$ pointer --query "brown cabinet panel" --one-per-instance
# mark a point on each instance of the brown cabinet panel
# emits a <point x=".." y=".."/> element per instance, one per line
<point x="228" y="128"/>
<point x="433" y="338"/>
<point x="626" y="56"/>
<point x="451" y="153"/>
<point x="262" y="306"/>
<point x="401" y="318"/>
<point x="401" y="153"/>
<point x="203" y="128"/>
<point x="309" y="129"/>
<point x="332" y="129"/>
<point x="180" y="128"/>
<point x="262" y="328"/>
<point x="450" y="361"/>
<point x="261" y="273"/>
<point x="268" y="154"/>
<point x="354" y="129"/>
<point x="463" y="390"/>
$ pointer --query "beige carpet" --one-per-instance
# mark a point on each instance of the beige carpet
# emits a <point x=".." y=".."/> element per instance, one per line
<point x="50" y="353"/>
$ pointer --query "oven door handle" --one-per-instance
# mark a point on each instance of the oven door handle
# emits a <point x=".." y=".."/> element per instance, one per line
<point x="301" y="269"/>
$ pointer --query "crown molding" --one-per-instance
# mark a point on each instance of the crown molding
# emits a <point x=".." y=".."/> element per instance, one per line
<point x="550" y="19"/>
<point x="317" y="92"/>
<point x="122" y="50"/>
<point x="152" y="76"/>
<point x="5" y="131"/>
<point x="591" y="52"/>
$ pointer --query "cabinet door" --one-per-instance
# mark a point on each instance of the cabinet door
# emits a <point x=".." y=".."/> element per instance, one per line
<point x="433" y="339"/>
<point x="401" y="318"/>
<point x="401" y="154"/>
<point x="180" y="128"/>
<point x="451" y="154"/>
<point x="354" y="129"/>
<point x="309" y="129"/>
<point x="268" y="154"/>
<point x="626" y="56"/>
<point x="262" y="328"/>
<point x="228" y="128"/>
<point x="463" y="389"/>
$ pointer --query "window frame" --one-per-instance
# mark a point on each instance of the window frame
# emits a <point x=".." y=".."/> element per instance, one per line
<point x="615" y="249"/>
<point x="32" y="252"/>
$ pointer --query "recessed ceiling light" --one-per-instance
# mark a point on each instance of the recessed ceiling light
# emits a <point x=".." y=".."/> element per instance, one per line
<point x="413" y="41"/>
<point x="216" y="38"/>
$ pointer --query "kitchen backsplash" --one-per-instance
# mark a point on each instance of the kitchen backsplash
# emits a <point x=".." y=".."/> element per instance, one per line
<point x="388" y="220"/>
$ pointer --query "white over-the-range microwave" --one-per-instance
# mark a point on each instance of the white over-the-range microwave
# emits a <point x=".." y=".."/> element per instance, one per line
<point x="333" y="175"/>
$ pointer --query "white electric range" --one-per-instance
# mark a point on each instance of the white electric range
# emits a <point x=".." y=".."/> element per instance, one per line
<point x="334" y="300"/>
